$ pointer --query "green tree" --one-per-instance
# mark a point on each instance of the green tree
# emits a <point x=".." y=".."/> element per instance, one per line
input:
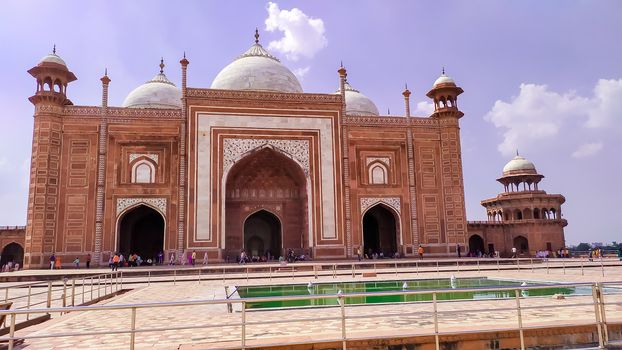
<point x="583" y="247"/>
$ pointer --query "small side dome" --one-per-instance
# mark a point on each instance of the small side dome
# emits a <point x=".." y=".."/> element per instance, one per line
<point x="52" y="58"/>
<point x="357" y="103"/>
<point x="519" y="165"/>
<point x="257" y="70"/>
<point x="158" y="92"/>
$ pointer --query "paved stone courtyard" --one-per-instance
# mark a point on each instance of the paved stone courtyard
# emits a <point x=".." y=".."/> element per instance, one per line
<point x="216" y="327"/>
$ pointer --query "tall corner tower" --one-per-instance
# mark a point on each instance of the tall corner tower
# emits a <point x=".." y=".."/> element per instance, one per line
<point x="52" y="77"/>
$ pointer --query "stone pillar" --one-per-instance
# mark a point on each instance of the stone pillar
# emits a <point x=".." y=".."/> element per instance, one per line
<point x="345" y="163"/>
<point x="100" y="199"/>
<point x="181" y="213"/>
<point x="414" y="229"/>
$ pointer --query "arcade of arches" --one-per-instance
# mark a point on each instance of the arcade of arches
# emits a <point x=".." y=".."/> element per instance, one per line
<point x="269" y="180"/>
<point x="380" y="231"/>
<point x="141" y="231"/>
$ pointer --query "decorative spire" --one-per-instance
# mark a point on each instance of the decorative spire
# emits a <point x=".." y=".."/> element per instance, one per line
<point x="443" y="70"/>
<point x="517" y="152"/>
<point x="106" y="71"/>
<point x="162" y="65"/>
<point x="54" y="49"/>
<point x="256" y="35"/>
<point x="388" y="111"/>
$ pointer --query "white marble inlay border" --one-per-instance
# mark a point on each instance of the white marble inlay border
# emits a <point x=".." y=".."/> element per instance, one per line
<point x="152" y="156"/>
<point x="393" y="202"/>
<point x="385" y="160"/>
<point x="235" y="149"/>
<point x="124" y="203"/>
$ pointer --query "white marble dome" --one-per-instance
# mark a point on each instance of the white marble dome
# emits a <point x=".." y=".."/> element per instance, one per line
<point x="158" y="92"/>
<point x="444" y="79"/>
<point x="53" y="58"/>
<point x="357" y="103"/>
<point x="519" y="165"/>
<point x="257" y="69"/>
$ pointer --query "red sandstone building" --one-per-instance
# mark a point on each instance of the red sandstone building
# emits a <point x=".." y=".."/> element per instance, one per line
<point x="252" y="163"/>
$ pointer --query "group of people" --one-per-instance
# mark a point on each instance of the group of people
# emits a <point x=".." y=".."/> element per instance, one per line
<point x="10" y="266"/>
<point x="290" y="257"/>
<point x="371" y="254"/>
<point x="185" y="258"/>
<point x="56" y="262"/>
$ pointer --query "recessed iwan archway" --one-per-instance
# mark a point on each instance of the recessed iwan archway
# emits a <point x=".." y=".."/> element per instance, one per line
<point x="262" y="235"/>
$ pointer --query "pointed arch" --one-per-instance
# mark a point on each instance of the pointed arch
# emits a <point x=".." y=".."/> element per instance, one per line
<point x="381" y="229"/>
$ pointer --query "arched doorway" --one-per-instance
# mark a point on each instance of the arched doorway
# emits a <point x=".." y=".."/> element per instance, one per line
<point x="269" y="180"/>
<point x="141" y="231"/>
<point x="380" y="231"/>
<point x="476" y="244"/>
<point x="262" y="234"/>
<point x="521" y="244"/>
<point x="12" y="252"/>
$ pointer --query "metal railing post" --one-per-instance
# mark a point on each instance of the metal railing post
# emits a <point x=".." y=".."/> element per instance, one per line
<point x="531" y="262"/>
<point x="417" y="267"/>
<point x="49" y="297"/>
<point x="458" y="265"/>
<point x="243" y="330"/>
<point x="518" y="264"/>
<point x="581" y="266"/>
<point x="342" y="303"/>
<point x="246" y="273"/>
<point x="12" y="332"/>
<point x="334" y="270"/>
<point x="73" y="292"/>
<point x="547" y="266"/>
<point x="438" y="271"/>
<point x="498" y="267"/>
<point x="270" y="272"/>
<point x="28" y="302"/>
<point x="64" y="292"/>
<point x="602" y="267"/>
<point x="91" y="288"/>
<point x="436" y="336"/>
<point x="603" y="314"/>
<point x="133" y="329"/>
<point x="520" y="320"/>
<point x="175" y="277"/>
<point x="199" y="275"/>
<point x="564" y="266"/>
<point x="83" y="291"/>
<point x="149" y="278"/>
<point x="223" y="275"/>
<point x="478" y="271"/>
<point x="99" y="286"/>
<point x="396" y="269"/>
<point x="601" y="342"/>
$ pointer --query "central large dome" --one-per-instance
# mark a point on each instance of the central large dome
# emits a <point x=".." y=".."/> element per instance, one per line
<point x="257" y="69"/>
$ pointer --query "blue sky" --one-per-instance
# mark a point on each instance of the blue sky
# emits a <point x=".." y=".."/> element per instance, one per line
<point x="541" y="76"/>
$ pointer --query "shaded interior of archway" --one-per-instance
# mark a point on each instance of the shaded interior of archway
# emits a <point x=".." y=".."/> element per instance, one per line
<point x="379" y="231"/>
<point x="141" y="231"/>
<point x="476" y="244"/>
<point x="262" y="235"/>
<point x="12" y="252"/>
<point x="521" y="244"/>
<point x="268" y="179"/>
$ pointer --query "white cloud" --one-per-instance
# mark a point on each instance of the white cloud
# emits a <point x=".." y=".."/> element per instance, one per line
<point x="537" y="114"/>
<point x="302" y="35"/>
<point x="301" y="72"/>
<point x="588" y="149"/>
<point x="424" y="108"/>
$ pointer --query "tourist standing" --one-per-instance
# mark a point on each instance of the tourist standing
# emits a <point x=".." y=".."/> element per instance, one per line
<point x="52" y="261"/>
<point x="171" y="260"/>
<point x="420" y="251"/>
<point x="513" y="252"/>
<point x="115" y="262"/>
<point x="58" y="263"/>
<point x="77" y="262"/>
<point x="458" y="250"/>
<point x="88" y="261"/>
<point x="205" y="258"/>
<point x="121" y="260"/>
<point x="358" y="253"/>
<point x="160" y="258"/>
<point x="194" y="257"/>
<point x="620" y="252"/>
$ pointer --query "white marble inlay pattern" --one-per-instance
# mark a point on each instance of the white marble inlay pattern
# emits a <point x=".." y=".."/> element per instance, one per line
<point x="124" y="203"/>
<point x="393" y="202"/>
<point x="385" y="160"/>
<point x="152" y="156"/>
<point x="234" y="149"/>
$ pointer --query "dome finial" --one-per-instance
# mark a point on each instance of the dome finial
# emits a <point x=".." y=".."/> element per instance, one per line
<point x="517" y="152"/>
<point x="443" y="70"/>
<point x="105" y="71"/>
<point x="162" y="65"/>
<point x="256" y="35"/>
<point x="54" y="49"/>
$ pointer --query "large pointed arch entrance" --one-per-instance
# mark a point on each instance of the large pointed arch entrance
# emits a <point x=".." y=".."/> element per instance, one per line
<point x="380" y="231"/>
<point x="12" y="252"/>
<point x="262" y="187"/>
<point x="141" y="231"/>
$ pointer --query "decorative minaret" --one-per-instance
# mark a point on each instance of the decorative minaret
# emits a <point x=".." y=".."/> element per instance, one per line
<point x="182" y="159"/>
<point x="101" y="171"/>
<point x="52" y="77"/>
<point x="345" y="159"/>
<point x="445" y="93"/>
<point x="414" y="229"/>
